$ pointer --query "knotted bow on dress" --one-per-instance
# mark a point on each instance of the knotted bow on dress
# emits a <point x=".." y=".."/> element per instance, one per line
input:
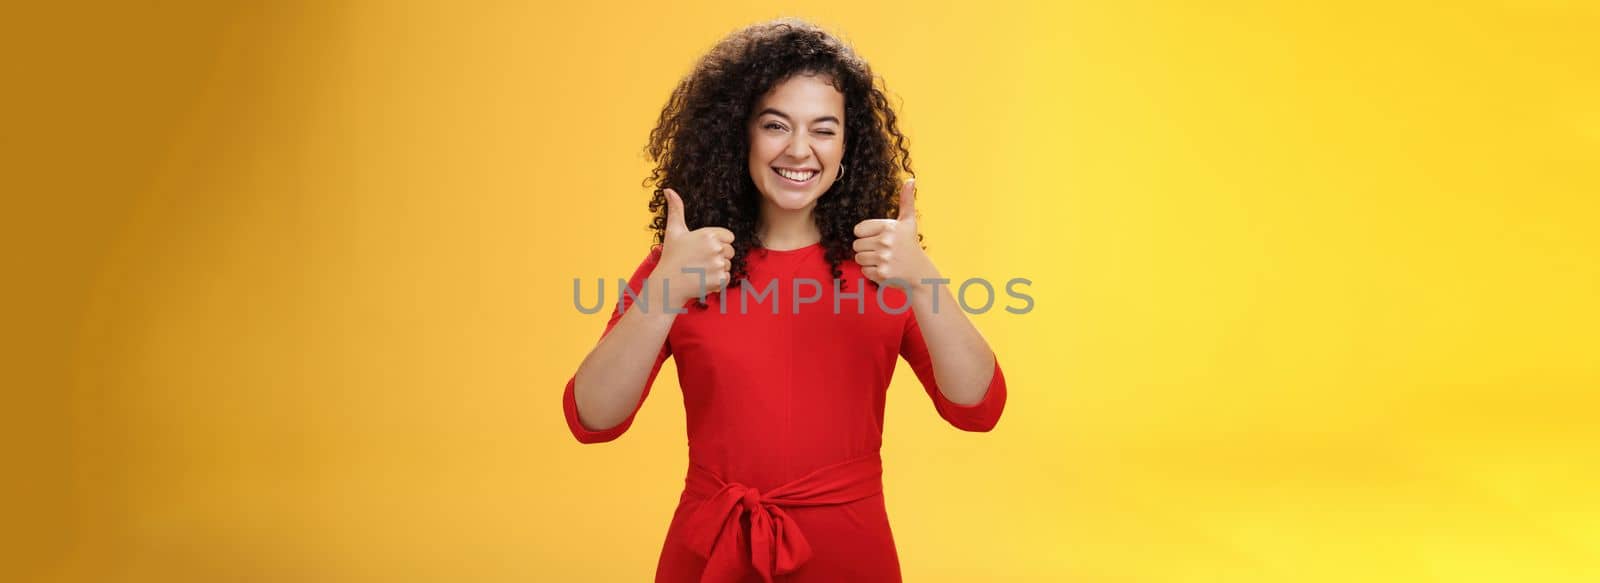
<point x="777" y="546"/>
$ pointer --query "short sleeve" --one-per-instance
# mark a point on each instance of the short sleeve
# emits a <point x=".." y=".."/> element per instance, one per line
<point x="980" y="416"/>
<point x="569" y="403"/>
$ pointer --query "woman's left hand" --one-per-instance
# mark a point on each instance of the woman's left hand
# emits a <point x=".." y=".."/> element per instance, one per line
<point x="888" y="250"/>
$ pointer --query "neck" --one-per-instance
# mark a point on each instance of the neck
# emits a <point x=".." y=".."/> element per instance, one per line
<point x="783" y="229"/>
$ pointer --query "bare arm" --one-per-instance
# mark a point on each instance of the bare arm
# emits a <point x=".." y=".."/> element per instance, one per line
<point x="609" y="383"/>
<point x="613" y="375"/>
<point x="963" y="364"/>
<point x="888" y="252"/>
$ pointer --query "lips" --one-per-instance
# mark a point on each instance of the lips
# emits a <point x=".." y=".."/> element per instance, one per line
<point x="794" y="176"/>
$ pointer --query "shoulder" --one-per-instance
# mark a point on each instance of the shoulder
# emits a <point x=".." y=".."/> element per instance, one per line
<point x="652" y="255"/>
<point x="648" y="264"/>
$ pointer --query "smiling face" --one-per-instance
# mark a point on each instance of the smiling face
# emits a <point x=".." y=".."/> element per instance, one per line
<point x="797" y="141"/>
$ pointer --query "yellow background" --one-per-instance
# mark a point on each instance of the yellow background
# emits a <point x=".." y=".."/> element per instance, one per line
<point x="289" y="288"/>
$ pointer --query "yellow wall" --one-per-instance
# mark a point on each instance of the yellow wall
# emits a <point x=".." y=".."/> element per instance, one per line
<point x="288" y="288"/>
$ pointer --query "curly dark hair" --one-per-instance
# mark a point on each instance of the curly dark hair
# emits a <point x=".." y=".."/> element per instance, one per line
<point x="700" y="142"/>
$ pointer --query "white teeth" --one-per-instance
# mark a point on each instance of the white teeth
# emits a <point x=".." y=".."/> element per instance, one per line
<point x="796" y="176"/>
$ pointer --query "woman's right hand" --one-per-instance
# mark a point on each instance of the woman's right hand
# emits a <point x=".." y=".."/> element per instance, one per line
<point x="686" y="255"/>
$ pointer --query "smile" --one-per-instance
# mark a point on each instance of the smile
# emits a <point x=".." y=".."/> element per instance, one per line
<point x="796" y="176"/>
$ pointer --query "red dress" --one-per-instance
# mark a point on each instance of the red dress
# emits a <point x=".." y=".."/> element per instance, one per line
<point x="785" y="419"/>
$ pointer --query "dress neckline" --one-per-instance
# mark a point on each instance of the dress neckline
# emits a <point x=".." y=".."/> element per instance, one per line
<point x="795" y="251"/>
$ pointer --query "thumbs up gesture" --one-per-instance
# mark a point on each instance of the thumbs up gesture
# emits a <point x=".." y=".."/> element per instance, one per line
<point x="888" y="250"/>
<point x="707" y="249"/>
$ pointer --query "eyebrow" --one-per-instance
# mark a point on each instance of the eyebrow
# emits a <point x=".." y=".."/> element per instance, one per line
<point x="786" y="116"/>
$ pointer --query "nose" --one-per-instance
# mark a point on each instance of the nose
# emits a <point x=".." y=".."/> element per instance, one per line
<point x="799" y="148"/>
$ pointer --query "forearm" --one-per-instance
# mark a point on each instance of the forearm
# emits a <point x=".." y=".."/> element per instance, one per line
<point x="611" y="378"/>
<point x="963" y="364"/>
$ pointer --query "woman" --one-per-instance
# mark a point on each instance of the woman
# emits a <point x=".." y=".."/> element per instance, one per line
<point x="788" y="276"/>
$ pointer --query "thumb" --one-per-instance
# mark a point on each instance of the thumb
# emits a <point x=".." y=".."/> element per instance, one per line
<point x="908" y="200"/>
<point x="675" y="224"/>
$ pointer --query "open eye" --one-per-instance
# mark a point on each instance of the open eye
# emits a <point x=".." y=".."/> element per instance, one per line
<point x="772" y="125"/>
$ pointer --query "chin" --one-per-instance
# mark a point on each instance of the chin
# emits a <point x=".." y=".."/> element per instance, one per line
<point x="790" y="200"/>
